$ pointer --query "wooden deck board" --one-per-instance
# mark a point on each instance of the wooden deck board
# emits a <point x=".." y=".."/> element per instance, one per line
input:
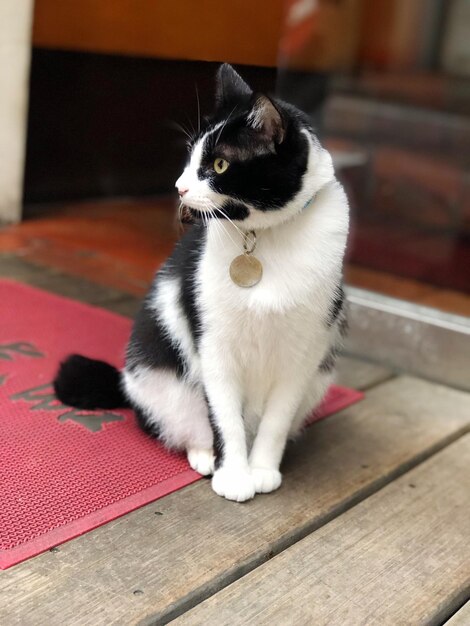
<point x="359" y="374"/>
<point x="462" y="617"/>
<point x="74" y="287"/>
<point x="400" y="557"/>
<point x="148" y="566"/>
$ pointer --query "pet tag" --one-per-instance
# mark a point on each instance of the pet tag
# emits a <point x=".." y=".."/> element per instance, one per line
<point x="246" y="270"/>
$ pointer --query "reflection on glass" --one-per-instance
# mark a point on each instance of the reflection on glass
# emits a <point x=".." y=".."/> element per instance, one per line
<point x="387" y="85"/>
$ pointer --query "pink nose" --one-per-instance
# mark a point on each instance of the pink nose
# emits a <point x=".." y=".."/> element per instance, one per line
<point x="182" y="191"/>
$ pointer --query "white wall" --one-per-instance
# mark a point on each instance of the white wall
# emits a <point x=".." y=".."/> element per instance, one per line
<point x="15" y="52"/>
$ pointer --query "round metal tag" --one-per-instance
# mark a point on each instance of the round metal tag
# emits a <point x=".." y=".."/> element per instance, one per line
<point x="246" y="270"/>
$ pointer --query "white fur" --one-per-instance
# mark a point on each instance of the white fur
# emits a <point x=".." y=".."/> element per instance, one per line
<point x="189" y="179"/>
<point x="175" y="406"/>
<point x="168" y="310"/>
<point x="255" y="118"/>
<point x="202" y="460"/>
<point x="261" y="347"/>
<point x="199" y="195"/>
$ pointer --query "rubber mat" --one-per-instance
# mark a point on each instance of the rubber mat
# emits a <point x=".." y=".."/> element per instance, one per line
<point x="65" y="471"/>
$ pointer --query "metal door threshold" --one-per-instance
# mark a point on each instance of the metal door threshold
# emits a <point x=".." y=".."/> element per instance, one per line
<point x="409" y="337"/>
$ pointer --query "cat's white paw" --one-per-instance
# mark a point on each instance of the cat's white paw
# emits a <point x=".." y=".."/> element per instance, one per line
<point x="201" y="460"/>
<point x="234" y="485"/>
<point x="266" y="480"/>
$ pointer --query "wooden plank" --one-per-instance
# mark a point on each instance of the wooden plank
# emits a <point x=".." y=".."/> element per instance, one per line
<point x="166" y="557"/>
<point x="461" y="618"/>
<point x="400" y="557"/>
<point x="163" y="29"/>
<point x="63" y="284"/>
<point x="125" y="305"/>
<point x="353" y="372"/>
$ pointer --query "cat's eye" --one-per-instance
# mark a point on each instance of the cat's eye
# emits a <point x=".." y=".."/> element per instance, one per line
<point x="220" y="166"/>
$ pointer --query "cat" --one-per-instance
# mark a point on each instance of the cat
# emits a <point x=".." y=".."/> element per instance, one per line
<point x="226" y="371"/>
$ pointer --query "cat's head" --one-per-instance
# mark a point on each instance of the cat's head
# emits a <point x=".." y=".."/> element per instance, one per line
<point x="255" y="161"/>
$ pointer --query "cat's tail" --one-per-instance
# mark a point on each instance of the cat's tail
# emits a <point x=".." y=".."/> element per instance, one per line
<point x="89" y="384"/>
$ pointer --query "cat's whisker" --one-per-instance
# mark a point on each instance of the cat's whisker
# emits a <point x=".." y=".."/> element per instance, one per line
<point x="219" y="226"/>
<point x="181" y="211"/>
<point x="215" y="230"/>
<point x="221" y="229"/>
<point x="198" y="111"/>
<point x="229" y="220"/>
<point x="218" y="231"/>
<point x="224" y="125"/>
<point x="180" y="218"/>
<point x="209" y="212"/>
<point x="192" y="126"/>
<point x="184" y="130"/>
<point x="223" y="226"/>
<point x="219" y="210"/>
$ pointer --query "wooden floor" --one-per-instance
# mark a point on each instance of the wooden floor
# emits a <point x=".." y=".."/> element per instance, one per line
<point x="371" y="524"/>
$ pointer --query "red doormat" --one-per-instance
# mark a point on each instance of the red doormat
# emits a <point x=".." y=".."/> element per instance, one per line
<point x="65" y="471"/>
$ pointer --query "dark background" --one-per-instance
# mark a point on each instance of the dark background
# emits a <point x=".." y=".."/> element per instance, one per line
<point x="103" y="125"/>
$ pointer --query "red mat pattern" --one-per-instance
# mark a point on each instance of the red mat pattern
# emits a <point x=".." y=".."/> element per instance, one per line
<point x="65" y="471"/>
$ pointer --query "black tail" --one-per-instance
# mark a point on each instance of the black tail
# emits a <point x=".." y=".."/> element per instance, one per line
<point x="89" y="384"/>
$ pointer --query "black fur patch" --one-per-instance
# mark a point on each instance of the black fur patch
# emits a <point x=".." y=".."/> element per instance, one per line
<point x="218" y="439"/>
<point x="265" y="178"/>
<point x="329" y="361"/>
<point x="183" y="264"/>
<point x="231" y="89"/>
<point x="235" y="210"/>
<point x="89" y="384"/>
<point x="142" y="421"/>
<point x="231" y="209"/>
<point x="266" y="161"/>
<point x="150" y="345"/>
<point x="336" y="306"/>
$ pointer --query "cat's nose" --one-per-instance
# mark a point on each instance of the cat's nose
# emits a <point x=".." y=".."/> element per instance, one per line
<point x="182" y="191"/>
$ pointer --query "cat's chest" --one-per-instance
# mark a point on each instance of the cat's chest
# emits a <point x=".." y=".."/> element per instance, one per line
<point x="284" y="278"/>
<point x="279" y="309"/>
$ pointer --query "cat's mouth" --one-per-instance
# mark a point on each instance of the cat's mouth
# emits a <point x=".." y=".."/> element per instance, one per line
<point x="190" y="214"/>
<point x="199" y="208"/>
<point x="198" y="214"/>
<point x="196" y="205"/>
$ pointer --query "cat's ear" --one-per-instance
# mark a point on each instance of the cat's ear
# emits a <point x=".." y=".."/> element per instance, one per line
<point x="230" y="88"/>
<point x="266" y="119"/>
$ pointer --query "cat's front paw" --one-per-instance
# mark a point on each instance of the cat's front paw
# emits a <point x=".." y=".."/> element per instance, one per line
<point x="201" y="460"/>
<point x="266" y="480"/>
<point x="233" y="484"/>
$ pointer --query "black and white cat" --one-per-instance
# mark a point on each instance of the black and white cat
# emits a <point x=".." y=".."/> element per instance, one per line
<point x="227" y="372"/>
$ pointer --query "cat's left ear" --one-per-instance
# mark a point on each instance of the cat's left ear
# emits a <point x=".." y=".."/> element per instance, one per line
<point x="266" y="119"/>
<point x="231" y="89"/>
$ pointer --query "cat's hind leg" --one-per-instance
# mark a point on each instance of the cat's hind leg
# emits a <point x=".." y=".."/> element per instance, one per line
<point x="175" y="410"/>
<point x="202" y="460"/>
